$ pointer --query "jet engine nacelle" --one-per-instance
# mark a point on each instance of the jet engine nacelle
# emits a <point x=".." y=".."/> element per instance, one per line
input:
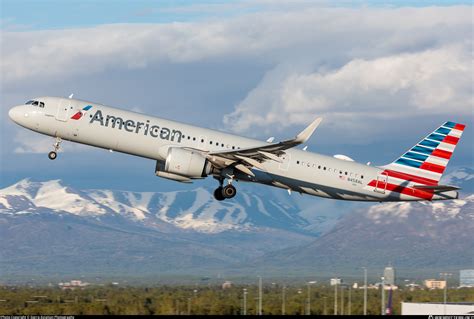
<point x="186" y="162"/>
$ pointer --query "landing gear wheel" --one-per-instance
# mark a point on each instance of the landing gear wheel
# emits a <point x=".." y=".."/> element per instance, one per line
<point x="52" y="155"/>
<point x="218" y="194"/>
<point x="229" y="191"/>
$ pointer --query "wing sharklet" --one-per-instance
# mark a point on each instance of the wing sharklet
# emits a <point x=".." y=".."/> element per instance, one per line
<point x="308" y="131"/>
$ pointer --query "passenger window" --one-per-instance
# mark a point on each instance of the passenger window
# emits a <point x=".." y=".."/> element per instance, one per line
<point x="189" y="137"/>
<point x="202" y="140"/>
<point x="346" y="173"/>
<point x="194" y="138"/>
<point x="324" y="168"/>
<point x="210" y="142"/>
<point x="362" y="176"/>
<point x="319" y="166"/>
<point x="297" y="162"/>
<point x="233" y="147"/>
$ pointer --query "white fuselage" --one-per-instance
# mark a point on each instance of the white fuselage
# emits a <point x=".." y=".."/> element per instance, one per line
<point x="151" y="137"/>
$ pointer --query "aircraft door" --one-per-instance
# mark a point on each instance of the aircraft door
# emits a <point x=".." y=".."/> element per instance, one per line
<point x="63" y="110"/>
<point x="381" y="183"/>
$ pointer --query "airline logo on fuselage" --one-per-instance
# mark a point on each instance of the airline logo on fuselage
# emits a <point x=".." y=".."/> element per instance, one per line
<point x="146" y="128"/>
<point x="80" y="113"/>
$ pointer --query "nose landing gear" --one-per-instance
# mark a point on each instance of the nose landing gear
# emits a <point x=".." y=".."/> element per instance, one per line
<point x="53" y="154"/>
<point x="224" y="192"/>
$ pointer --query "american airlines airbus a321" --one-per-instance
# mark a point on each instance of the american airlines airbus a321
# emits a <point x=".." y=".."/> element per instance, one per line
<point x="184" y="152"/>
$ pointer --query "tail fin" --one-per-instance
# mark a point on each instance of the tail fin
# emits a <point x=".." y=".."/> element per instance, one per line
<point x="427" y="160"/>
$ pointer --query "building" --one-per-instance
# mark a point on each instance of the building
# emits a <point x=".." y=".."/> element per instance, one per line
<point x="412" y="286"/>
<point x="437" y="308"/>
<point x="435" y="284"/>
<point x="389" y="275"/>
<point x="335" y="281"/>
<point x="227" y="285"/>
<point x="466" y="278"/>
<point x="73" y="284"/>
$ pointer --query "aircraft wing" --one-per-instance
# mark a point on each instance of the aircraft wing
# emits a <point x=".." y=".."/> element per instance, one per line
<point x="243" y="159"/>
<point x="436" y="188"/>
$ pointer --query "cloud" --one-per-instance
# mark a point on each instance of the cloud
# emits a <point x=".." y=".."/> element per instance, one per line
<point x="313" y="35"/>
<point x="347" y="64"/>
<point x="434" y="81"/>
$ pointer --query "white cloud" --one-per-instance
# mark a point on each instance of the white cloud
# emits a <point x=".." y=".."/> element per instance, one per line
<point x="318" y="34"/>
<point x="435" y="81"/>
<point x="342" y="63"/>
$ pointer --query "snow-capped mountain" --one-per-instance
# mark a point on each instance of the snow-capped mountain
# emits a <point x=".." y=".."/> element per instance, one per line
<point x="414" y="235"/>
<point x="189" y="210"/>
<point x="121" y="232"/>
<point x="110" y="231"/>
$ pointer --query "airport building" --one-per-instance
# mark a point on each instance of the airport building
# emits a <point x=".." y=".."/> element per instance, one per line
<point x="466" y="278"/>
<point x="389" y="275"/>
<point x="335" y="281"/>
<point x="435" y="284"/>
<point x="437" y="308"/>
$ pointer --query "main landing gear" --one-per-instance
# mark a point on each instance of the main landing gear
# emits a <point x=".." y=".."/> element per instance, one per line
<point x="53" y="154"/>
<point x="224" y="192"/>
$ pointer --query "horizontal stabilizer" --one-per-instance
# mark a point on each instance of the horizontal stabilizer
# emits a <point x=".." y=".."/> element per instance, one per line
<point x="437" y="188"/>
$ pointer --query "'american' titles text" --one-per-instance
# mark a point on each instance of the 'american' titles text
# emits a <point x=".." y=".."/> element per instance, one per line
<point x="145" y="128"/>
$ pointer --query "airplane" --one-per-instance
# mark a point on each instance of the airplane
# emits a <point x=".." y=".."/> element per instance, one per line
<point x="185" y="153"/>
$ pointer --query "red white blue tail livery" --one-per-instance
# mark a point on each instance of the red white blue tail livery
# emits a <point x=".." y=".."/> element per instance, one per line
<point x="418" y="172"/>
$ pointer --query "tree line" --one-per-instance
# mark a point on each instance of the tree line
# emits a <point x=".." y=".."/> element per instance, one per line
<point x="209" y="300"/>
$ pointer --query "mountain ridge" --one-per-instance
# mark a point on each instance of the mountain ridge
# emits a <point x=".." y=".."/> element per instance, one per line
<point x="188" y="232"/>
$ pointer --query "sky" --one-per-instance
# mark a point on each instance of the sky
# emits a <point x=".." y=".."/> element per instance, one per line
<point x="381" y="74"/>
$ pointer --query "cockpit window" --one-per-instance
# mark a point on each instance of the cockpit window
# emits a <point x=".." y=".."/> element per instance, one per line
<point x="35" y="103"/>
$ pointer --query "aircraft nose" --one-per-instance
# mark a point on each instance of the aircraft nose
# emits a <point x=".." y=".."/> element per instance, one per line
<point x="15" y="113"/>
